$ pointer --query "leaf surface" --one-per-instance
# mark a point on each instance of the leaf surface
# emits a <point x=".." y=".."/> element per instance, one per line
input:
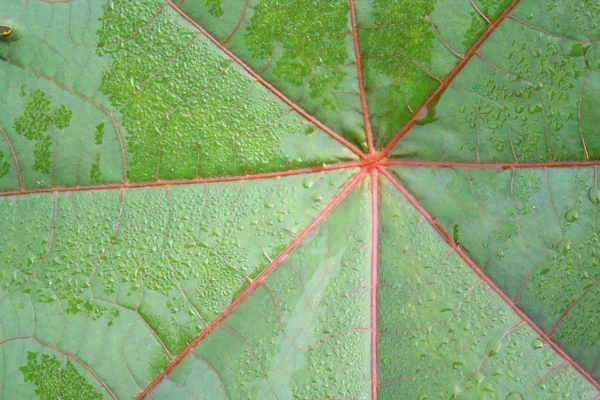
<point x="304" y="332"/>
<point x="299" y="199"/>
<point x="122" y="280"/>
<point x="185" y="108"/>
<point x="443" y="332"/>
<point x="534" y="232"/>
<point x="407" y="48"/>
<point x="302" y="48"/>
<point x="528" y="95"/>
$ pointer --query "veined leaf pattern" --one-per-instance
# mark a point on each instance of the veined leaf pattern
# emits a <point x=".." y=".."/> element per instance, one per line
<point x="299" y="199"/>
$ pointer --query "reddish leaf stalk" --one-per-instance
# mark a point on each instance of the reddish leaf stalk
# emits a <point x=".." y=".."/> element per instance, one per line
<point x="374" y="277"/>
<point x="361" y="84"/>
<point x="267" y="175"/>
<point x="444" y="164"/>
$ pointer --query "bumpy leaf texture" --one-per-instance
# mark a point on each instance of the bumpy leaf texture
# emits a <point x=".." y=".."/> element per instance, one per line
<point x="278" y="199"/>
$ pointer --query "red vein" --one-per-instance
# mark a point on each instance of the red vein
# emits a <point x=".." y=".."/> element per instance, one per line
<point x="449" y="78"/>
<point x="259" y="279"/>
<point x="12" y="150"/>
<point x="361" y="85"/>
<point x="449" y="164"/>
<point x="486" y="279"/>
<point x="281" y="174"/>
<point x="267" y="85"/>
<point x="374" y="278"/>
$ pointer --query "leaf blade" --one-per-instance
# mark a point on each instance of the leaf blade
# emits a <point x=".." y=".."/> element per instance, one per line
<point x="425" y="349"/>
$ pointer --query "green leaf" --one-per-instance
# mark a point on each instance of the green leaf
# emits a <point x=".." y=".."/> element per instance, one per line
<point x="528" y="95"/>
<point x="303" y="48"/>
<point x="479" y="349"/>
<point x="299" y="199"/>
<point x="125" y="279"/>
<point x="304" y="332"/>
<point x="183" y="112"/>
<point x="408" y="48"/>
<point x="538" y="244"/>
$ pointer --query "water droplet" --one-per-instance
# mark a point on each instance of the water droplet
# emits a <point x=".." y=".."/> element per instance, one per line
<point x="538" y="343"/>
<point x="514" y="396"/>
<point x="189" y="244"/>
<point x="594" y="194"/>
<point x="572" y="216"/>
<point x="535" y="108"/>
<point x="456" y="364"/>
<point x="479" y="378"/>
<point x="308" y="183"/>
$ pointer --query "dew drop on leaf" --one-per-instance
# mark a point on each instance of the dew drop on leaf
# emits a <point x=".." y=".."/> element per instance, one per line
<point x="572" y="216"/>
<point x="535" y="108"/>
<point x="537" y="343"/>
<point x="594" y="194"/>
<point x="307" y="184"/>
